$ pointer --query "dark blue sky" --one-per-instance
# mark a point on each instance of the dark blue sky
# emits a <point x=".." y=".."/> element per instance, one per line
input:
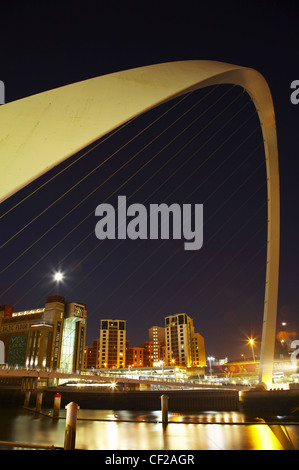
<point x="222" y="285"/>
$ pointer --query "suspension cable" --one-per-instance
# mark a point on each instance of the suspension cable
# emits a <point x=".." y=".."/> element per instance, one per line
<point x="94" y="191"/>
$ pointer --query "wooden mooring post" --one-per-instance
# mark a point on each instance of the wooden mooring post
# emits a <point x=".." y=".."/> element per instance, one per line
<point x="56" y="408"/>
<point x="164" y="408"/>
<point x="70" y="426"/>
<point x="38" y="404"/>
<point x="27" y="398"/>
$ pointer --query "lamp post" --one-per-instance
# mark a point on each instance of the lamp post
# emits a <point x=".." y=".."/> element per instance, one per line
<point x="210" y="359"/>
<point x="162" y="367"/>
<point x="251" y="343"/>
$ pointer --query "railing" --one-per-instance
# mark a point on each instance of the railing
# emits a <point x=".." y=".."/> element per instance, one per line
<point x="121" y="376"/>
<point x="11" y="371"/>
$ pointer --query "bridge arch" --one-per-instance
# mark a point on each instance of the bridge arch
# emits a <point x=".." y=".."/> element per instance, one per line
<point x="40" y="131"/>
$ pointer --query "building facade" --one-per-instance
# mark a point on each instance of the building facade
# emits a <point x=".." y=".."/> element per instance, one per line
<point x="134" y="356"/>
<point x="91" y="359"/>
<point x="198" y="351"/>
<point x="112" y="352"/>
<point x="50" y="337"/>
<point x="157" y="338"/>
<point x="184" y="347"/>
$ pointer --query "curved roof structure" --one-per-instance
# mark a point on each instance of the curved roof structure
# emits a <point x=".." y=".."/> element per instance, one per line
<point x="40" y="131"/>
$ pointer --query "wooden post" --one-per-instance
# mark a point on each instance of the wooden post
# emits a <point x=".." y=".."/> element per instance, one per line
<point x="39" y="399"/>
<point x="70" y="426"/>
<point x="164" y="408"/>
<point x="27" y="398"/>
<point x="56" y="409"/>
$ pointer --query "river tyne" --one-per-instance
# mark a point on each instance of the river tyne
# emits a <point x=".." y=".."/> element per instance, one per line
<point x="121" y="430"/>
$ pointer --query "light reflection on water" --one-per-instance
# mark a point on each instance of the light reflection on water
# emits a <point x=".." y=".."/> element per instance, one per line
<point x="99" y="430"/>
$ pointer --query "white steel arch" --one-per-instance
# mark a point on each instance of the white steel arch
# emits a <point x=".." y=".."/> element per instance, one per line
<point x="40" y="131"/>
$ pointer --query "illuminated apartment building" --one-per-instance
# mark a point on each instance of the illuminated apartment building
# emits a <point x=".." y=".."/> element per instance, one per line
<point x="134" y="356"/>
<point x="50" y="337"/>
<point x="183" y="346"/>
<point x="112" y="344"/>
<point x="150" y="356"/>
<point x="91" y="358"/>
<point x="157" y="338"/>
<point x="198" y="351"/>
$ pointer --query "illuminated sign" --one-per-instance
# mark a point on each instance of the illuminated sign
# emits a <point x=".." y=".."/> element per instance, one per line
<point x="56" y="344"/>
<point x="78" y="311"/>
<point x="238" y="368"/>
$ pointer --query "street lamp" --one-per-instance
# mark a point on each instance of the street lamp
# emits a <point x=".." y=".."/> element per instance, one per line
<point x="251" y="343"/>
<point x="162" y="367"/>
<point x="210" y="359"/>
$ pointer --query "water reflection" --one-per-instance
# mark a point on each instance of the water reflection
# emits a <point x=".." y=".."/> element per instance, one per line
<point x="133" y="430"/>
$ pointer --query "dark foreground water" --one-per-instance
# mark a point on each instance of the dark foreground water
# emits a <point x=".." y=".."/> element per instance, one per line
<point x="133" y="430"/>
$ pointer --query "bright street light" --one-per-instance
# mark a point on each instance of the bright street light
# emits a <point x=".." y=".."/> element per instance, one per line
<point x="210" y="359"/>
<point x="252" y="343"/>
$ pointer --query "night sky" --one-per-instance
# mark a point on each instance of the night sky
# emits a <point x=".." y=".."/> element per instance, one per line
<point x="202" y="148"/>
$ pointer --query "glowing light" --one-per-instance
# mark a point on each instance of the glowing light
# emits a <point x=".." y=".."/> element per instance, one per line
<point x="58" y="276"/>
<point x="251" y="342"/>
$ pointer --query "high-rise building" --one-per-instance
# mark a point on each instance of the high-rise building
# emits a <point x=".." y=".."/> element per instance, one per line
<point x="198" y="350"/>
<point x="156" y="333"/>
<point x="134" y="356"/>
<point x="153" y="353"/>
<point x="157" y="340"/>
<point x="184" y="347"/>
<point x="49" y="337"/>
<point x="178" y="334"/>
<point x="112" y="344"/>
<point x="91" y="359"/>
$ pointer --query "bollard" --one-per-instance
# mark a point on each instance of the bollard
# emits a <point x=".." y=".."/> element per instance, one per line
<point x="70" y="426"/>
<point x="56" y="409"/>
<point x="27" y="398"/>
<point x="39" y="399"/>
<point x="164" y="408"/>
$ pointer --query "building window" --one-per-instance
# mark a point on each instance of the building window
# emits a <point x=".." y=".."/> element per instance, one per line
<point x="68" y="344"/>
